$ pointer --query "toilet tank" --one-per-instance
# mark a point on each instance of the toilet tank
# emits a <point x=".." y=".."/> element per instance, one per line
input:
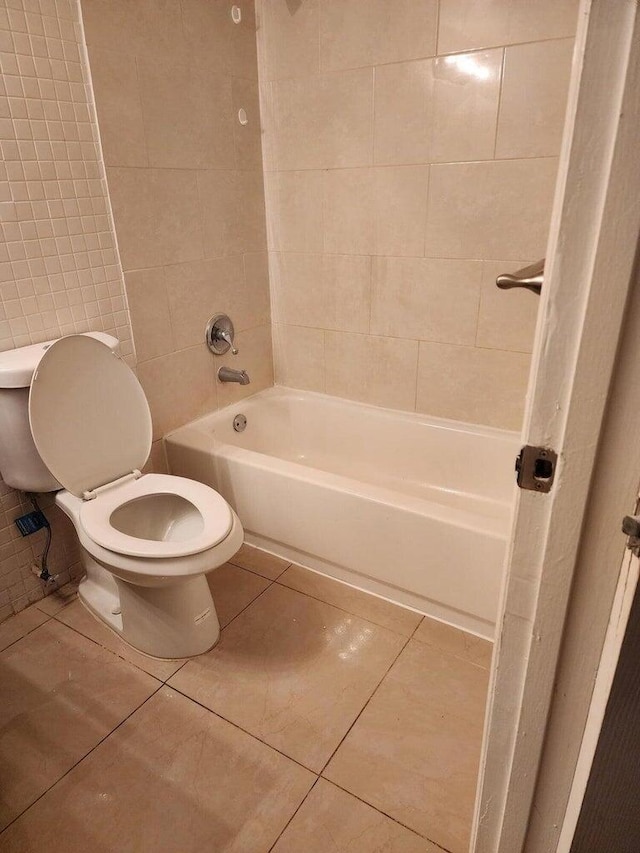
<point x="20" y="464"/>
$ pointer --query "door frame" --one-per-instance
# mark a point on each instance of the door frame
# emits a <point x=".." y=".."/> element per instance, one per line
<point x="575" y="405"/>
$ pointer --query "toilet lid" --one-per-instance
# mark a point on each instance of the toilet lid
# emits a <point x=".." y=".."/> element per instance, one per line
<point x="89" y="416"/>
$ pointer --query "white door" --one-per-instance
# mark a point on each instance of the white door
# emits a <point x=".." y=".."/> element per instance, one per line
<point x="567" y="543"/>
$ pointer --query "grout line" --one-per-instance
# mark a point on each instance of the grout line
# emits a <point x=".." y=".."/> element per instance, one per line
<point x="253" y="572"/>
<point x="503" y="68"/>
<point x="390" y="817"/>
<point x="236" y="725"/>
<point x="350" y="612"/>
<point x="114" y="653"/>
<point x="80" y="760"/>
<point x="373" y="693"/>
<point x="285" y="827"/>
<point x="48" y="619"/>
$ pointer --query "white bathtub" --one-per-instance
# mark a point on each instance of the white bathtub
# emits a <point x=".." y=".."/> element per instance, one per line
<point x="412" y="508"/>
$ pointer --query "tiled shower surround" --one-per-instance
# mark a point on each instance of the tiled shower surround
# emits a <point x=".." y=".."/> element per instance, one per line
<point x="59" y="266"/>
<point x="185" y="179"/>
<point x="410" y="155"/>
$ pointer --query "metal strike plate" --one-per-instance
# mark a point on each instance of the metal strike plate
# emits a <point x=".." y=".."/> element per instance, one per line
<point x="536" y="468"/>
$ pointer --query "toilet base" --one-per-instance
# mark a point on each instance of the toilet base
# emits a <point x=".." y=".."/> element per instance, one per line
<point x="174" y="621"/>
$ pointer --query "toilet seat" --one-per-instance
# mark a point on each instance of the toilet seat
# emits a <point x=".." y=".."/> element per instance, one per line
<point x="91" y="424"/>
<point x="207" y="510"/>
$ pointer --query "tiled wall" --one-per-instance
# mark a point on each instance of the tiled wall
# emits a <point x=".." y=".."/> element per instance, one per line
<point x="59" y="266"/>
<point x="186" y="185"/>
<point x="410" y="153"/>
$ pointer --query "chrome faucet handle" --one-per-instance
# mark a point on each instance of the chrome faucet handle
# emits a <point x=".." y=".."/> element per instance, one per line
<point x="223" y="335"/>
<point x="219" y="335"/>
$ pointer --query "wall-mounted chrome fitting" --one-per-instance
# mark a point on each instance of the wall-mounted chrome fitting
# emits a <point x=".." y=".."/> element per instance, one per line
<point x="219" y="335"/>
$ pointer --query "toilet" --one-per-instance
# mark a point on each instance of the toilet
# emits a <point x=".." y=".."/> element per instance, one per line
<point x="74" y="417"/>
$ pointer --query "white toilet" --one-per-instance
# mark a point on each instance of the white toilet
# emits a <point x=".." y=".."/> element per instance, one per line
<point x="147" y="539"/>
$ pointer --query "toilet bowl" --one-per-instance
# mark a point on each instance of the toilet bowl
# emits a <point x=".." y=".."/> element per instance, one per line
<point x="147" y="540"/>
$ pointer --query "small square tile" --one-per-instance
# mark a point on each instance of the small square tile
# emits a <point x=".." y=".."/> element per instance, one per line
<point x="77" y="616"/>
<point x="331" y="819"/>
<point x="292" y="671"/>
<point x="61" y="695"/>
<point x="259" y="561"/>
<point x="370" y="607"/>
<point x="173" y="777"/>
<point x="414" y="751"/>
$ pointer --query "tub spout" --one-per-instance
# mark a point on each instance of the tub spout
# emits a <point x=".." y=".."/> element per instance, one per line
<point x="228" y="374"/>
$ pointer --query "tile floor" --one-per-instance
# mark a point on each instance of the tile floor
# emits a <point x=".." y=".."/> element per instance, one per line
<point x="325" y="720"/>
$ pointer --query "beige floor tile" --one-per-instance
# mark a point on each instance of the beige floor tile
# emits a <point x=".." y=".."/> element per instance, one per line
<point x="453" y="641"/>
<point x="332" y="820"/>
<point x="293" y="671"/>
<point x="369" y="607"/>
<point x="77" y="616"/>
<point x="233" y="589"/>
<point x="261" y="562"/>
<point x="20" y="625"/>
<point x="61" y="694"/>
<point x="55" y="601"/>
<point x="173" y="778"/>
<point x="414" y="751"/>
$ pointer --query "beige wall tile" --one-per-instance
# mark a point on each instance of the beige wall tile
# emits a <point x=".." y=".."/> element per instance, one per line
<point x="323" y="291"/>
<point x="247" y="137"/>
<point x="507" y="318"/>
<point x="434" y="300"/>
<point x="179" y="387"/>
<point x="465" y="24"/>
<point x="233" y="212"/>
<point x="324" y="121"/>
<point x="157" y="216"/>
<point x="381" y="371"/>
<point x="115" y="83"/>
<point x="437" y="110"/>
<point x="257" y="312"/>
<point x="255" y="356"/>
<point x="290" y="34"/>
<point x="354" y="34"/>
<point x="149" y="308"/>
<point x="146" y="28"/>
<point x="495" y="209"/>
<point x="403" y="112"/>
<point x="188" y="116"/>
<point x="199" y="289"/>
<point x="484" y="386"/>
<point x="299" y="357"/>
<point x="213" y="40"/>
<point x="349" y="211"/>
<point x="400" y="209"/>
<point x="466" y="90"/>
<point x="534" y="98"/>
<point x="379" y="211"/>
<point x="295" y="222"/>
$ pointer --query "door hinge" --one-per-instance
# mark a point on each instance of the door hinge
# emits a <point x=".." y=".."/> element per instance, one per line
<point x="536" y="468"/>
<point x="631" y="527"/>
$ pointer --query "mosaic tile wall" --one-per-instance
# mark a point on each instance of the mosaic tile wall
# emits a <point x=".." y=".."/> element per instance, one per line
<point x="59" y="266"/>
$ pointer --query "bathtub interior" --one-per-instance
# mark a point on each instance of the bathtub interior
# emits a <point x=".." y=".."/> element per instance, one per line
<point x="453" y="464"/>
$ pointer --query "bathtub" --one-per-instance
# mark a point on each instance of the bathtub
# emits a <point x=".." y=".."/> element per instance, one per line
<point x="412" y="508"/>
